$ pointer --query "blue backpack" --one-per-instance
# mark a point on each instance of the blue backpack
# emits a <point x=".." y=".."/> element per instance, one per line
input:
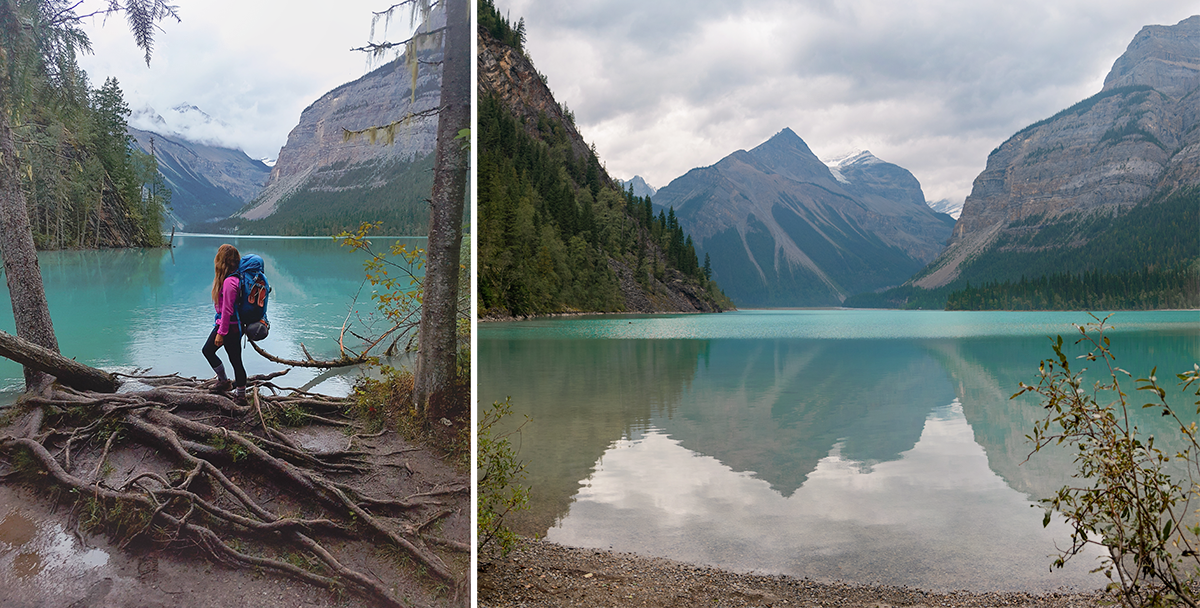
<point x="253" y="292"/>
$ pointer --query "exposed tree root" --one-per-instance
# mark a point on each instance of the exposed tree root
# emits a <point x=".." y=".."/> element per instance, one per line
<point x="207" y="482"/>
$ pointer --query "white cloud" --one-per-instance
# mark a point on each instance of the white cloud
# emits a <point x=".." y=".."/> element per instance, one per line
<point x="933" y="85"/>
<point x="938" y="516"/>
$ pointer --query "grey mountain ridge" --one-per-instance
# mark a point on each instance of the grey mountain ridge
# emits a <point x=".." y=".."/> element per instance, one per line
<point x="1136" y="138"/>
<point x="782" y="229"/>
<point x="317" y="158"/>
<point x="211" y="183"/>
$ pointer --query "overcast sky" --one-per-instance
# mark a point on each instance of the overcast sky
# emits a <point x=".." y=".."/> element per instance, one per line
<point x="662" y="86"/>
<point x="253" y="65"/>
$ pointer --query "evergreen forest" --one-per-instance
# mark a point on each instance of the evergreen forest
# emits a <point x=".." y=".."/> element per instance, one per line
<point x="555" y="234"/>
<point x="342" y="196"/>
<point x="1147" y="257"/>
<point x="86" y="186"/>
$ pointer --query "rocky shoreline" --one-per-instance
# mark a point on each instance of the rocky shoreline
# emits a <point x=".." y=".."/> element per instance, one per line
<point x="541" y="574"/>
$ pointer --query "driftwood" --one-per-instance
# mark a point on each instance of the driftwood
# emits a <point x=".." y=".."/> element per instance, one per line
<point x="192" y="498"/>
<point x="68" y="371"/>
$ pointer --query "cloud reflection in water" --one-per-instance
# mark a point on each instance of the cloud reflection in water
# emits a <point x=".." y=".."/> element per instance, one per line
<point x="936" y="518"/>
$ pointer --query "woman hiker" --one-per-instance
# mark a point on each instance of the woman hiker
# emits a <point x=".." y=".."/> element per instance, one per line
<point x="226" y="329"/>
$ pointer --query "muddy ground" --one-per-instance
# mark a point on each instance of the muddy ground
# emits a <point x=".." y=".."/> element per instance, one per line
<point x="542" y="575"/>
<point x="49" y="557"/>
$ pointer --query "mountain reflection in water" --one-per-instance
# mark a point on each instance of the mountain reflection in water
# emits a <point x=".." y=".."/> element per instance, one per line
<point x="936" y="517"/>
<point x="866" y="446"/>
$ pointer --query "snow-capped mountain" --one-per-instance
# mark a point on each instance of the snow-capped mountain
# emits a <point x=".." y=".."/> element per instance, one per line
<point x="945" y="205"/>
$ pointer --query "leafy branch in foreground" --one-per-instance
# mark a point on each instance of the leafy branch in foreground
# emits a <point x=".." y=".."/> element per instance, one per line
<point x="397" y="274"/>
<point x="500" y="476"/>
<point x="1131" y="497"/>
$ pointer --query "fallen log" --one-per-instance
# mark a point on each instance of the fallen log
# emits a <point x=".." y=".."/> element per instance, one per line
<point x="343" y="361"/>
<point x="68" y="371"/>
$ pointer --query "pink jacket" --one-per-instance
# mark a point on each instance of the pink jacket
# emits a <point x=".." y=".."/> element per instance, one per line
<point x="225" y="303"/>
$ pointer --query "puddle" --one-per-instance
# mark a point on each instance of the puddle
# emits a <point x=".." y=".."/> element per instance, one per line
<point x="43" y="552"/>
<point x="16" y="529"/>
<point x="26" y="565"/>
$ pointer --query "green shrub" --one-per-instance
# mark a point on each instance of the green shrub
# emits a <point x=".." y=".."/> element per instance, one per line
<point x="500" y="475"/>
<point x="1129" y="497"/>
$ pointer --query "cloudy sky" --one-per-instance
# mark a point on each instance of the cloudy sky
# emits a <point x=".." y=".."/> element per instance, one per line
<point x="663" y="86"/>
<point x="252" y="65"/>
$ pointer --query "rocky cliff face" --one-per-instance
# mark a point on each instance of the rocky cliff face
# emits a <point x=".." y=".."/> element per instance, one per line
<point x="1135" y="138"/>
<point x="784" y="229"/>
<point x="508" y="74"/>
<point x="318" y="159"/>
<point x="207" y="183"/>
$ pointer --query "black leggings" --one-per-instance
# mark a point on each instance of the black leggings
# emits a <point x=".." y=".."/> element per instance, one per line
<point x="233" y="348"/>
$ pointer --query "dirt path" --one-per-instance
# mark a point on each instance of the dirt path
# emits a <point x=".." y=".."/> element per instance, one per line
<point x="541" y="574"/>
<point x="49" y="558"/>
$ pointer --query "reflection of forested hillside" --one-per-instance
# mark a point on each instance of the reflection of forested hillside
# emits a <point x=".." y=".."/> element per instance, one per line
<point x="581" y="395"/>
<point x="987" y="371"/>
<point x="777" y="407"/>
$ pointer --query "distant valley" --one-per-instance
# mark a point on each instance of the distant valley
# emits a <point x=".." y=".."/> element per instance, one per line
<point x="208" y="183"/>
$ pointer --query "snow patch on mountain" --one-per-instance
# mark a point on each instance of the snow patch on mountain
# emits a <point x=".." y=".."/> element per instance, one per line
<point x="953" y="209"/>
<point x="837" y="162"/>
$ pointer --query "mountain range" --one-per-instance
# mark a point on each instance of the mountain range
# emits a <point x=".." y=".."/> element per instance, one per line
<point x="945" y="205"/>
<point x="782" y="228"/>
<point x="363" y="152"/>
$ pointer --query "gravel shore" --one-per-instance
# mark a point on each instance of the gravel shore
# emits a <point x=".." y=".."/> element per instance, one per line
<point x="541" y="574"/>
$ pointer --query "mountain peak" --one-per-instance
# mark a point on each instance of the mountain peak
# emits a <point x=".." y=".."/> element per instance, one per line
<point x="786" y="139"/>
<point x="786" y="133"/>
<point x="787" y="155"/>
<point x="782" y="232"/>
<point x="640" y="187"/>
<point x="1161" y="56"/>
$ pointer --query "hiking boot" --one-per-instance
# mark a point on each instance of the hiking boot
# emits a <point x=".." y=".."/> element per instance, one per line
<point x="223" y="386"/>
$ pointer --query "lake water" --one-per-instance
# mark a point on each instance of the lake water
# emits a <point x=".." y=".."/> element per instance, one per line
<point x="122" y="309"/>
<point x="865" y="446"/>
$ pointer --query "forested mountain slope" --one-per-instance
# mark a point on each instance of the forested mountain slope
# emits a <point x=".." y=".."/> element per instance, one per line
<point x="556" y="233"/>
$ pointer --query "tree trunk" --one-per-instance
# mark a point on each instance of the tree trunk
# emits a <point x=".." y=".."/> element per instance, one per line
<point x="21" y="271"/>
<point x="68" y="371"/>
<point x="435" y="369"/>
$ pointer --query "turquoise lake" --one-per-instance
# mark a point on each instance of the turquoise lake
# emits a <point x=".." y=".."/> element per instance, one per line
<point x="863" y="446"/>
<point x="122" y="309"/>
